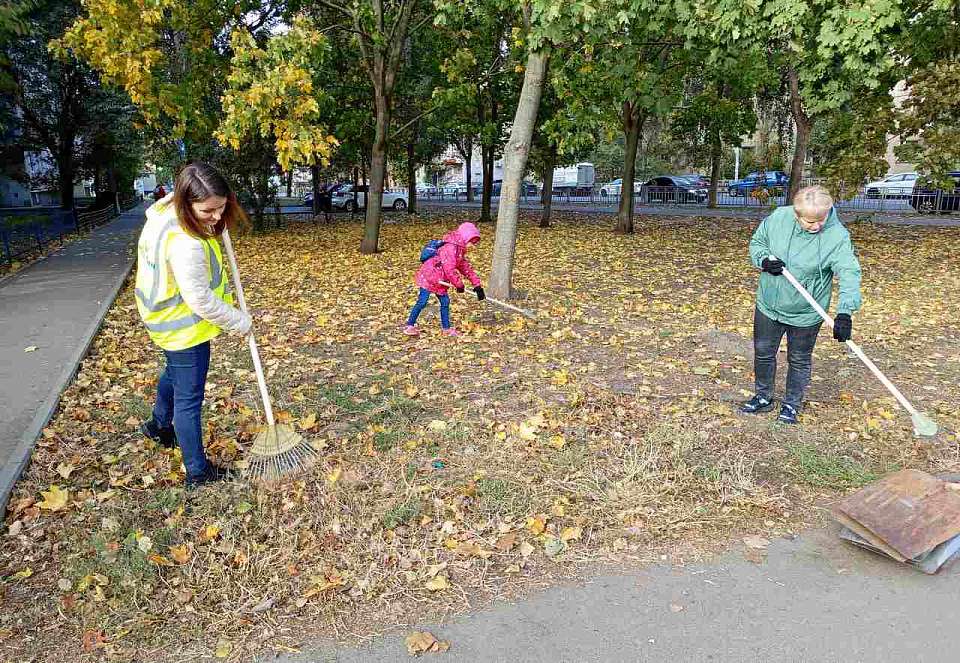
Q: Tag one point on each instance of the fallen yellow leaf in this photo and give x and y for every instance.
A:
(180, 554)
(537, 525)
(420, 642)
(571, 534)
(224, 647)
(54, 499)
(437, 584)
(309, 421)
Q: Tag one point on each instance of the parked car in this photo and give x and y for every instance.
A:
(929, 199)
(527, 189)
(775, 180)
(343, 198)
(427, 190)
(614, 187)
(325, 190)
(674, 189)
(892, 186)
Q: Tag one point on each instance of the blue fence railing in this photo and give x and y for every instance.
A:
(28, 230)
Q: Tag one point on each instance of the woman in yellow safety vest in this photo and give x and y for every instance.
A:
(184, 301)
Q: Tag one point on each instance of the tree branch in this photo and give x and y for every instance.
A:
(417, 118)
(422, 22)
(336, 7)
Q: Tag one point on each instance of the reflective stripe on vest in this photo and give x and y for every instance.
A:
(169, 320)
(216, 276)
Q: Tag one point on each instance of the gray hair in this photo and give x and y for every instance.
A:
(813, 202)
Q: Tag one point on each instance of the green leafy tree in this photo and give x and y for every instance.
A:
(480, 85)
(930, 116)
(831, 52)
(721, 109)
(380, 31)
(58, 98)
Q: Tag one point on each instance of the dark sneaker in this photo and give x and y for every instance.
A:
(212, 474)
(756, 405)
(165, 437)
(788, 414)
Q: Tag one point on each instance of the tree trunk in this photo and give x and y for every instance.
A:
(290, 184)
(515, 163)
(315, 181)
(411, 178)
(356, 183)
(716, 149)
(66, 170)
(378, 169)
(468, 163)
(632, 126)
(804, 124)
(487, 165)
(546, 196)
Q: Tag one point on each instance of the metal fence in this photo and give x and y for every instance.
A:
(27, 230)
(889, 201)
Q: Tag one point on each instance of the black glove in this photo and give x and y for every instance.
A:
(842, 327)
(480, 294)
(460, 289)
(774, 266)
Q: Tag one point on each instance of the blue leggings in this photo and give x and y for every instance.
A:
(422, 300)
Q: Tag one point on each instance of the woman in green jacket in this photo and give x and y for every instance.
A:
(808, 239)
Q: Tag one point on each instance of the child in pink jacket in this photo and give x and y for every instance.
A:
(447, 265)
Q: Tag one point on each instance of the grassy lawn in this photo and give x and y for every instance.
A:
(455, 471)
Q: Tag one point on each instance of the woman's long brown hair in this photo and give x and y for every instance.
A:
(195, 183)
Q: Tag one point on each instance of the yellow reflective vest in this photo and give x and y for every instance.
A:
(170, 322)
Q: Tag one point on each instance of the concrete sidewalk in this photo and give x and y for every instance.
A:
(56, 304)
(815, 600)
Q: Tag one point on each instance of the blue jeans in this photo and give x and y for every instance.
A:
(179, 399)
(767, 335)
(422, 300)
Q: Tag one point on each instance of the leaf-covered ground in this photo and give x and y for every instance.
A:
(458, 470)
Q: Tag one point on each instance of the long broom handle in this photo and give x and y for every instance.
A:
(254, 353)
(853, 346)
(519, 310)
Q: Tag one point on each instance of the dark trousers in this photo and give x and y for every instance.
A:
(767, 335)
(179, 399)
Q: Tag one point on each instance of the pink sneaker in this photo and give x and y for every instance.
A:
(451, 332)
(411, 330)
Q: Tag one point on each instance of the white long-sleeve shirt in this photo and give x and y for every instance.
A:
(188, 262)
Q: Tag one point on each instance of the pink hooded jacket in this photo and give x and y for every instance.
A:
(450, 261)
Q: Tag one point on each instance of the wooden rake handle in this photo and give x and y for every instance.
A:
(254, 353)
(884, 380)
(497, 302)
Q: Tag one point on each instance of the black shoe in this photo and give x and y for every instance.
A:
(165, 437)
(212, 474)
(756, 405)
(788, 414)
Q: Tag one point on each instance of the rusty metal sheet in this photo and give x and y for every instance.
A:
(909, 511)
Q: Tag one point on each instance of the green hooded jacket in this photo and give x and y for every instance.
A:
(814, 258)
